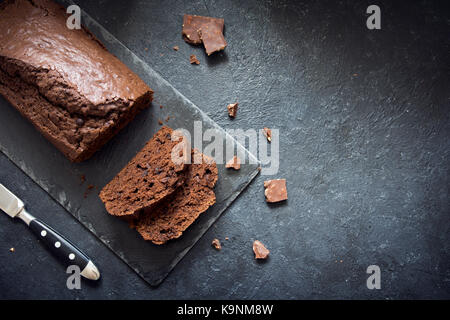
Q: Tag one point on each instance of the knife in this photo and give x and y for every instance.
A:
(60, 246)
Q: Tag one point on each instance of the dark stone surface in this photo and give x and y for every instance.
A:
(364, 123)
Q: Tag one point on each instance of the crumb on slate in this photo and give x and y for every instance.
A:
(268, 134)
(216, 244)
(260, 250)
(234, 163)
(232, 109)
(193, 59)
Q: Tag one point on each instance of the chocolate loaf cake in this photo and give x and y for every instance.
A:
(169, 219)
(147, 179)
(76, 93)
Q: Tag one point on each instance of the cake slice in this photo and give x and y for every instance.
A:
(147, 179)
(169, 219)
(65, 82)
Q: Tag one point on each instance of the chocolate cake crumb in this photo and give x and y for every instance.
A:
(193, 59)
(232, 109)
(234, 163)
(268, 134)
(260, 250)
(275, 190)
(176, 48)
(160, 122)
(216, 244)
(148, 178)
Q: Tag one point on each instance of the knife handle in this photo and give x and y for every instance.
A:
(67, 252)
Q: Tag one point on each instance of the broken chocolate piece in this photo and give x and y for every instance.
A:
(275, 190)
(268, 134)
(234, 163)
(232, 109)
(212, 38)
(206, 30)
(260, 250)
(216, 244)
(193, 59)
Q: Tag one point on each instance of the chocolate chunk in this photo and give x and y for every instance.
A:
(234, 163)
(216, 244)
(275, 190)
(193, 59)
(212, 37)
(268, 134)
(206, 30)
(260, 250)
(232, 109)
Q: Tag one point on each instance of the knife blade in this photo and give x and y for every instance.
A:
(59, 245)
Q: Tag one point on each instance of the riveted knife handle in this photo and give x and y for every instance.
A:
(67, 252)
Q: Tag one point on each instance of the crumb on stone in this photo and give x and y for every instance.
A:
(260, 250)
(193, 59)
(234, 163)
(268, 134)
(216, 244)
(232, 109)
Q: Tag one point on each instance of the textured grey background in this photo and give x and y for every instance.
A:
(364, 122)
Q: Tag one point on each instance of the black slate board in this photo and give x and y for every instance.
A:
(21, 143)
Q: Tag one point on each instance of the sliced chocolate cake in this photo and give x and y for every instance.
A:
(171, 217)
(147, 179)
